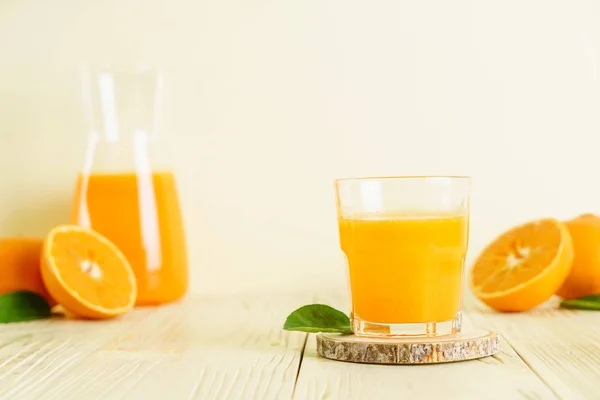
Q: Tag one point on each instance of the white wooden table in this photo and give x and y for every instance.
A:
(234, 348)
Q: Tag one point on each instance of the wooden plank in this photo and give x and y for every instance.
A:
(203, 348)
(34, 355)
(560, 345)
(504, 376)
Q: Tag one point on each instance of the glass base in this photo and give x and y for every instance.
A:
(437, 328)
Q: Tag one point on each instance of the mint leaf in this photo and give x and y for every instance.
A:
(318, 318)
(23, 306)
(591, 302)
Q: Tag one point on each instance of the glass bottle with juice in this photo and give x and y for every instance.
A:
(127, 190)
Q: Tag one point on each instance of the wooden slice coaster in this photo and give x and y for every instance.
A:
(468, 345)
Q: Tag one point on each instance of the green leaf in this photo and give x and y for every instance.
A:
(23, 306)
(318, 318)
(591, 302)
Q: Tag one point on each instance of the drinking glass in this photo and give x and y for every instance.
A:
(405, 240)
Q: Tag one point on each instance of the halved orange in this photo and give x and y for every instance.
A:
(524, 266)
(87, 274)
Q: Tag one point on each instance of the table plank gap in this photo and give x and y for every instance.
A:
(299, 366)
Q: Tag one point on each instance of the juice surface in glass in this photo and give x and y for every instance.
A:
(405, 268)
(140, 213)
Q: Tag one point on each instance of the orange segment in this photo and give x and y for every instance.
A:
(524, 266)
(87, 274)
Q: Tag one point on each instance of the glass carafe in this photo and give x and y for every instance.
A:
(126, 190)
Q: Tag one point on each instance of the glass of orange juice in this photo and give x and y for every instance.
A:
(405, 240)
(127, 189)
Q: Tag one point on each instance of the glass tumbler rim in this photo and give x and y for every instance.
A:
(405, 177)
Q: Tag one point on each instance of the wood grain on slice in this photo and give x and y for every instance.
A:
(471, 344)
(560, 345)
(502, 376)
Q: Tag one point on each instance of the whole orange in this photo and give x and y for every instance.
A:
(20, 260)
(584, 277)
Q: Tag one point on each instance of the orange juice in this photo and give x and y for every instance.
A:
(405, 268)
(141, 215)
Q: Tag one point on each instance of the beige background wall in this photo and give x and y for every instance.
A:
(269, 101)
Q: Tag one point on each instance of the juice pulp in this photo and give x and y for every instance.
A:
(141, 215)
(405, 268)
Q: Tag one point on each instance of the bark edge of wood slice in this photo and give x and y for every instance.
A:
(467, 345)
